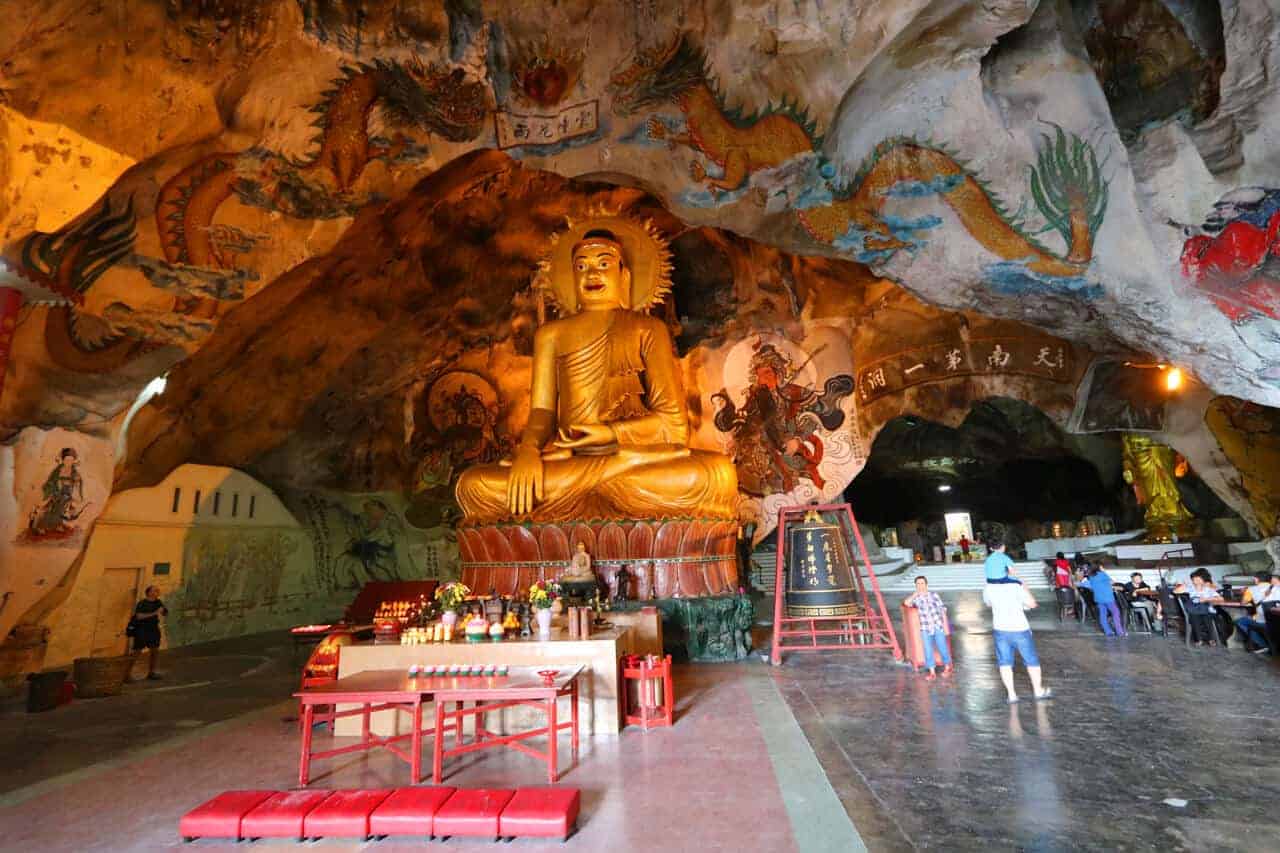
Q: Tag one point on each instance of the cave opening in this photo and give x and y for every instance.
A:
(1007, 465)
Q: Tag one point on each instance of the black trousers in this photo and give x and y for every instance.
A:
(1202, 627)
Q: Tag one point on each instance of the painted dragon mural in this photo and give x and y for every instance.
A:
(1066, 183)
(410, 94)
(68, 261)
(739, 143)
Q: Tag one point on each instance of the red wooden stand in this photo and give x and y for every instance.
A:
(652, 677)
(870, 631)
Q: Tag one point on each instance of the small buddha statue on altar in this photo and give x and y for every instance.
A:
(579, 566)
(608, 430)
(578, 581)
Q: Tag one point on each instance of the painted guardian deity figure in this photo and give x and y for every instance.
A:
(608, 431)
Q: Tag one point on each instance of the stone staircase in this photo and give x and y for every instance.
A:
(954, 577)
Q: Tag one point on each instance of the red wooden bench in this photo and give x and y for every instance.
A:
(540, 813)
(221, 816)
(345, 814)
(409, 811)
(281, 815)
(472, 812)
(425, 812)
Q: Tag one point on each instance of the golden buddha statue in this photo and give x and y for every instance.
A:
(1151, 469)
(608, 431)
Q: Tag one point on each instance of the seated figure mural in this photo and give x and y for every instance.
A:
(608, 432)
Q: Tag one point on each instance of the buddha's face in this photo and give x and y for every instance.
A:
(600, 277)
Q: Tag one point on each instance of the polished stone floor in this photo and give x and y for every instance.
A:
(1147, 746)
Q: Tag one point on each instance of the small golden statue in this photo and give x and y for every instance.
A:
(1151, 469)
(579, 566)
(608, 431)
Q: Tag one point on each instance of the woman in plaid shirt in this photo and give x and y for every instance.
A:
(933, 626)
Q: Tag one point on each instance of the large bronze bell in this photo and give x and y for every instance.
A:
(819, 579)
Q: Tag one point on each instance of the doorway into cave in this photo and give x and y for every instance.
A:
(1016, 474)
(1007, 465)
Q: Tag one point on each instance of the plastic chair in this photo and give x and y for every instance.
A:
(1066, 601)
(1184, 601)
(1132, 614)
(1088, 609)
(1173, 617)
(1271, 616)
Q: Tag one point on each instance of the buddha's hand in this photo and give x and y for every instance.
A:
(524, 483)
(585, 435)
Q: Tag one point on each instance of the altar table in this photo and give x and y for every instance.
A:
(598, 685)
(524, 686)
(372, 690)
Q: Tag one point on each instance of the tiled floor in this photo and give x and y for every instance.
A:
(706, 784)
(760, 760)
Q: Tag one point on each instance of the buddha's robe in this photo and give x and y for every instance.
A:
(626, 377)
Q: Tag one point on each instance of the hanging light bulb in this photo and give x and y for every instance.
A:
(1172, 379)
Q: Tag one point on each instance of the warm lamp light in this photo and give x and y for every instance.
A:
(1172, 379)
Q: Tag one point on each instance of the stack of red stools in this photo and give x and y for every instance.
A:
(423, 812)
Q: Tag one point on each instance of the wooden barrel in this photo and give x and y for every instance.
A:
(101, 676)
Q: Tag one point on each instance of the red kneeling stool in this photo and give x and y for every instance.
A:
(540, 813)
(472, 812)
(281, 815)
(221, 816)
(409, 811)
(345, 814)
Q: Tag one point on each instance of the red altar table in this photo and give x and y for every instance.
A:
(373, 690)
(524, 686)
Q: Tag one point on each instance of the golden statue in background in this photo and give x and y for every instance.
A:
(1151, 468)
(608, 431)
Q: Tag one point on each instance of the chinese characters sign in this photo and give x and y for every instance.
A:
(514, 129)
(1047, 358)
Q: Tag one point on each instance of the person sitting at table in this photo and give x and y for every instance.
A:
(1142, 597)
(1267, 589)
(1105, 599)
(1203, 595)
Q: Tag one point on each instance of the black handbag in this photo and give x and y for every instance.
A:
(131, 630)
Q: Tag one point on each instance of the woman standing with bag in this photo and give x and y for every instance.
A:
(145, 627)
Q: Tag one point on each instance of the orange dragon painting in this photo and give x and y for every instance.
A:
(1066, 183)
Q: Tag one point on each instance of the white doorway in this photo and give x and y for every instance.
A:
(958, 525)
(117, 595)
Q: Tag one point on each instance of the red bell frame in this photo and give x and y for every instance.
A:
(868, 632)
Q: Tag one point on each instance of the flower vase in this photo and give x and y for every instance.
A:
(544, 622)
(449, 617)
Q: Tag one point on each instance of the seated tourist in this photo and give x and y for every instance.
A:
(1203, 595)
(1142, 597)
(1105, 599)
(1267, 589)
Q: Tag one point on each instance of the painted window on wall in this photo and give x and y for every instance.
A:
(160, 569)
(252, 499)
(177, 498)
(195, 504)
(235, 504)
(217, 501)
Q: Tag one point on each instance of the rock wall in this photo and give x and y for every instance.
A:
(323, 217)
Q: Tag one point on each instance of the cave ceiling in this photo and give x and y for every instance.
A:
(322, 217)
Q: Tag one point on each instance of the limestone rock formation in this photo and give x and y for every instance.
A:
(320, 218)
